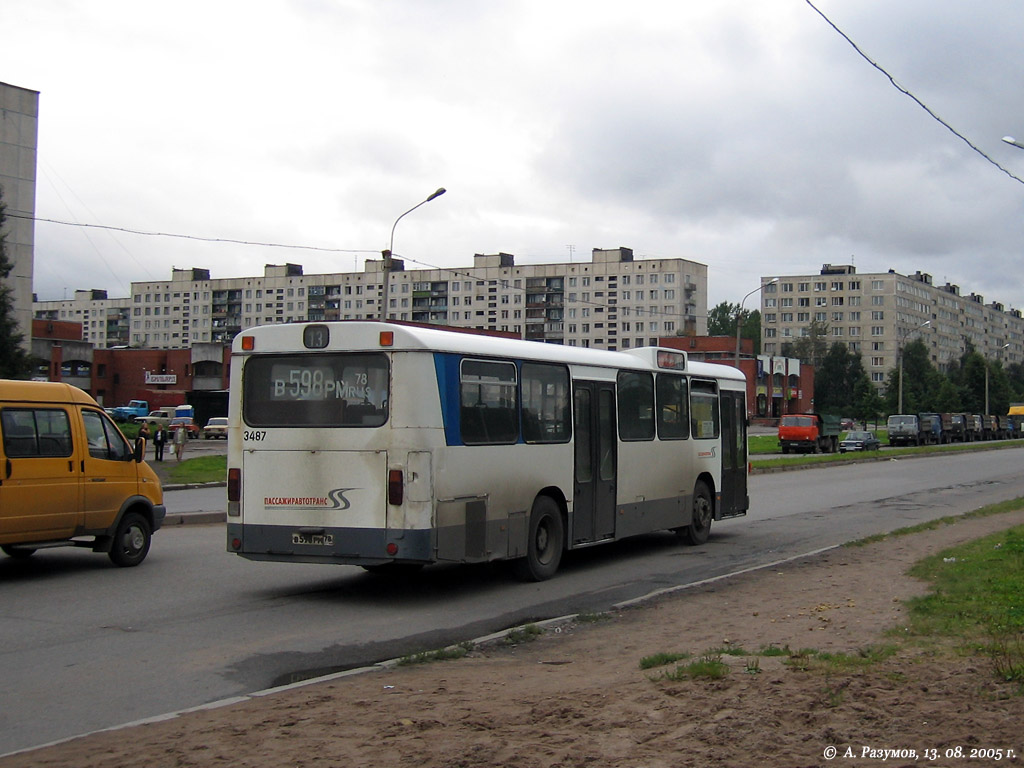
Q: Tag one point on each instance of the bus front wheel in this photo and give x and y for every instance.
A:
(545, 543)
(703, 512)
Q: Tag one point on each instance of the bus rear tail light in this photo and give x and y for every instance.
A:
(234, 484)
(396, 487)
(234, 492)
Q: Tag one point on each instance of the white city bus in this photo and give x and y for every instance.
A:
(385, 445)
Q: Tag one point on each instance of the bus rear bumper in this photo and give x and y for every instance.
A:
(375, 546)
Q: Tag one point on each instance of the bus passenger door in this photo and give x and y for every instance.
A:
(734, 454)
(595, 465)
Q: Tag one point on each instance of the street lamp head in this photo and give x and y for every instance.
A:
(440, 191)
(1013, 141)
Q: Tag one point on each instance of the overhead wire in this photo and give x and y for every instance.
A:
(910, 95)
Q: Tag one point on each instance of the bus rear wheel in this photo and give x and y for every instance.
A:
(545, 543)
(703, 513)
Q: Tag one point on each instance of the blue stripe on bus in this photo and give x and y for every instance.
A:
(447, 368)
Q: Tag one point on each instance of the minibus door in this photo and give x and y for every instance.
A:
(595, 462)
(39, 482)
(110, 474)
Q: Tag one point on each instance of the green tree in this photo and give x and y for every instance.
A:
(949, 398)
(722, 320)
(835, 378)
(920, 381)
(1015, 376)
(868, 405)
(14, 360)
(810, 348)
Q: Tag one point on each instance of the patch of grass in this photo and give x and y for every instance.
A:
(976, 598)
(444, 654)
(202, 469)
(662, 659)
(708, 667)
(526, 634)
(773, 650)
(592, 618)
(728, 650)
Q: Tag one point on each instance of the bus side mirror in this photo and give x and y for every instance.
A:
(140, 450)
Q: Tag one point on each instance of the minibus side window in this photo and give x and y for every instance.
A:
(105, 440)
(36, 432)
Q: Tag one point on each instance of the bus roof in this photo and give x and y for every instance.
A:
(358, 335)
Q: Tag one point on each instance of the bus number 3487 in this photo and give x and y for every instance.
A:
(255, 434)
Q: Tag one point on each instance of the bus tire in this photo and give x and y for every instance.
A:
(131, 540)
(545, 543)
(703, 512)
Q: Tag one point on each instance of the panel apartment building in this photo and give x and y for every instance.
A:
(877, 314)
(19, 128)
(612, 302)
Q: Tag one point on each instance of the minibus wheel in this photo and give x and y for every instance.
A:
(131, 540)
(19, 553)
(545, 543)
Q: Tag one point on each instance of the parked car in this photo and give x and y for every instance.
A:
(216, 427)
(859, 441)
(186, 423)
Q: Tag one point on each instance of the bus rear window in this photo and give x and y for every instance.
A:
(309, 390)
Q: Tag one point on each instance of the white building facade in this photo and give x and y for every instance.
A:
(612, 302)
(877, 314)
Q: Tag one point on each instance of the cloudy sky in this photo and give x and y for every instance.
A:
(748, 136)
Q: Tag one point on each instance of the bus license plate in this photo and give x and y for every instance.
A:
(313, 539)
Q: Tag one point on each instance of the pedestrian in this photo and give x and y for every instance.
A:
(159, 441)
(180, 436)
(144, 437)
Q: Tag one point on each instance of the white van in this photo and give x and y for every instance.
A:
(68, 477)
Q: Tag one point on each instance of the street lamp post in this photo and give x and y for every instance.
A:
(739, 315)
(899, 403)
(391, 247)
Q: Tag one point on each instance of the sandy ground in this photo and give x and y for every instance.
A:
(577, 697)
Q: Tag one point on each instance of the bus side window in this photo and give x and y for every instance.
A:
(545, 389)
(704, 417)
(488, 403)
(673, 419)
(636, 405)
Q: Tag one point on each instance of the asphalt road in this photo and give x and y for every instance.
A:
(84, 645)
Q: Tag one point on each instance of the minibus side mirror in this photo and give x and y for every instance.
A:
(140, 450)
